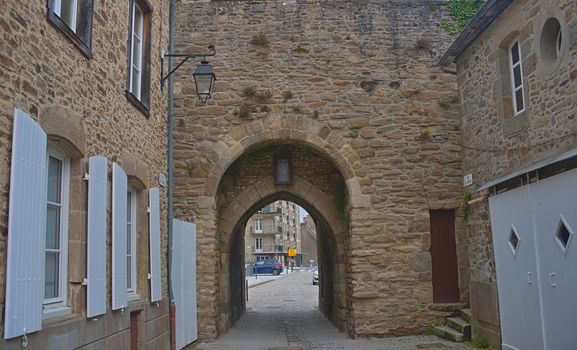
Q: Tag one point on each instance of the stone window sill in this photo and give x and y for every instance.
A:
(133, 297)
(52, 312)
(138, 104)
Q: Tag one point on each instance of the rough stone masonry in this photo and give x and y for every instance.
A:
(355, 81)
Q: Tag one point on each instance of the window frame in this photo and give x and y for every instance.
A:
(141, 102)
(521, 87)
(132, 290)
(56, 306)
(81, 35)
(257, 225)
(256, 244)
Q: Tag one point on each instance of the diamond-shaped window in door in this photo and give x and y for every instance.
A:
(513, 240)
(563, 235)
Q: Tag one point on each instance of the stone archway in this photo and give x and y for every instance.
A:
(197, 200)
(333, 238)
(317, 185)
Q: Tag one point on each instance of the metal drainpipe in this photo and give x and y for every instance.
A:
(170, 145)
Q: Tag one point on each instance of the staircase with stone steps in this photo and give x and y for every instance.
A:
(457, 328)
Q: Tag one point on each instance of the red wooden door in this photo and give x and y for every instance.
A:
(134, 330)
(444, 257)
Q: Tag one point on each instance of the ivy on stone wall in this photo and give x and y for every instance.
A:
(462, 11)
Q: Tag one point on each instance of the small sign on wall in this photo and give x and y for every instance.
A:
(468, 180)
(162, 179)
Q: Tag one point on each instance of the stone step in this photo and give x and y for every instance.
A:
(460, 325)
(451, 307)
(466, 315)
(449, 333)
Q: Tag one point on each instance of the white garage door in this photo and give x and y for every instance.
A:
(533, 228)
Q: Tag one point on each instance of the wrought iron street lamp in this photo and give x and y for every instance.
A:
(203, 75)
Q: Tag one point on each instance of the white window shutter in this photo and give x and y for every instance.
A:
(26, 228)
(154, 225)
(119, 217)
(97, 222)
(183, 282)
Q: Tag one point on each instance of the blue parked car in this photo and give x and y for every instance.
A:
(267, 266)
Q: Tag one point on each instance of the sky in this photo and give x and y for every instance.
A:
(302, 214)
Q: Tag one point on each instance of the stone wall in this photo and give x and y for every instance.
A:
(81, 101)
(498, 143)
(355, 81)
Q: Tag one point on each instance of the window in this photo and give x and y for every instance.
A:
(138, 89)
(131, 240)
(258, 225)
(258, 244)
(550, 44)
(74, 19)
(516, 78)
(56, 267)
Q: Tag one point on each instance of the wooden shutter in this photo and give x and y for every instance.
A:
(26, 228)
(119, 232)
(97, 223)
(154, 225)
(183, 281)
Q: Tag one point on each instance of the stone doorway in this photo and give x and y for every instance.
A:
(317, 186)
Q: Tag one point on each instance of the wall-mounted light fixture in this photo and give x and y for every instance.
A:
(282, 169)
(204, 77)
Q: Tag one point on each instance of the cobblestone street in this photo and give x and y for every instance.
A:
(283, 315)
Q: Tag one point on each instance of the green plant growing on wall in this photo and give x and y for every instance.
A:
(297, 109)
(263, 97)
(462, 12)
(262, 108)
(480, 343)
(287, 95)
(449, 26)
(254, 101)
(300, 50)
(430, 329)
(424, 135)
(464, 207)
(189, 168)
(259, 39)
(444, 104)
(244, 111)
(249, 91)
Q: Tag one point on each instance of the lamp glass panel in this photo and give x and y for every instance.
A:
(203, 84)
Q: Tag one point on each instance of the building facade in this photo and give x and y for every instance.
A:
(82, 145)
(272, 231)
(517, 75)
(309, 242)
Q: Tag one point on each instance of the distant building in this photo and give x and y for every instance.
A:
(308, 242)
(272, 231)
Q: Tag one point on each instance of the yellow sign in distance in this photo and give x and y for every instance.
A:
(292, 252)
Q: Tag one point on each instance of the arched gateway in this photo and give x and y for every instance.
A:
(350, 94)
(245, 170)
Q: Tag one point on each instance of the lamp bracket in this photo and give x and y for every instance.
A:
(186, 57)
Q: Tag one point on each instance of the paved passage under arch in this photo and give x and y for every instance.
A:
(283, 315)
